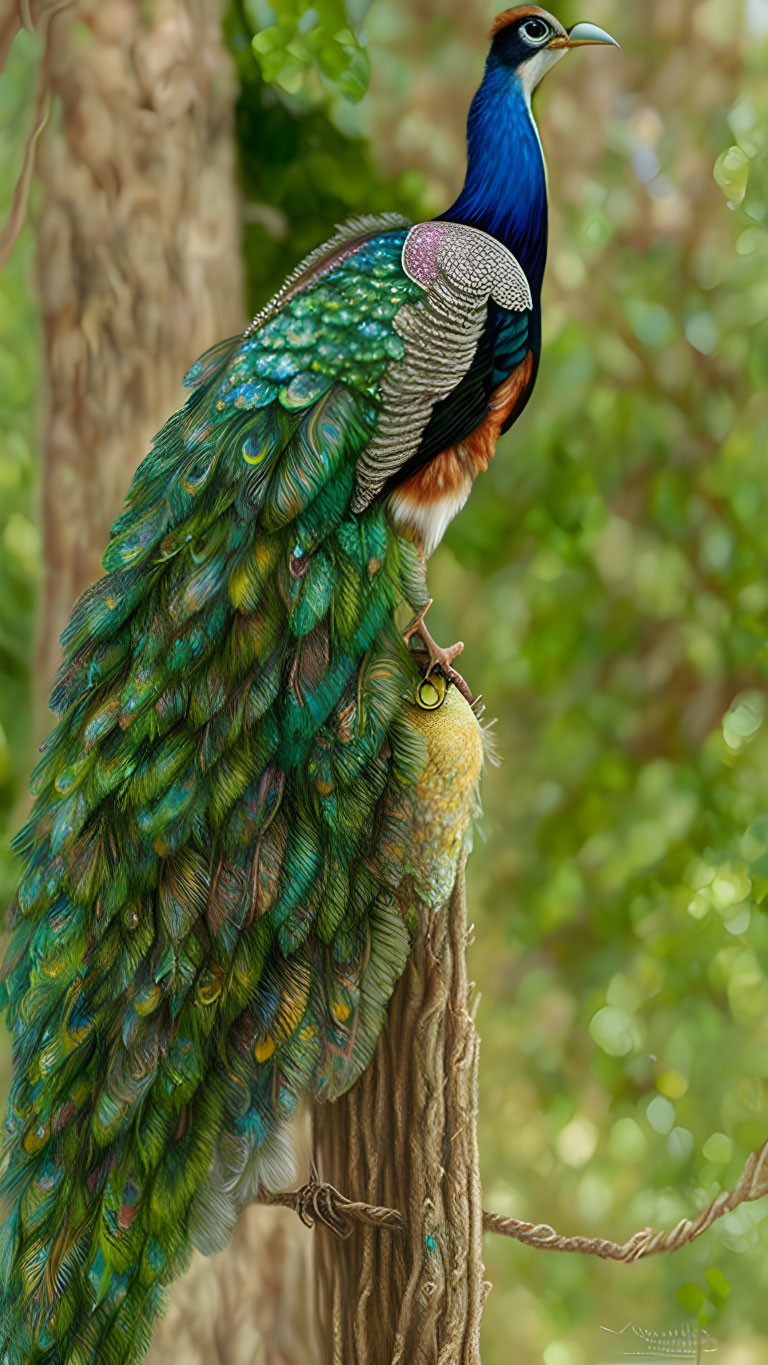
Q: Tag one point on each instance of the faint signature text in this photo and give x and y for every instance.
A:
(684, 1343)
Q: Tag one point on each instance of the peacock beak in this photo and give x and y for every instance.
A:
(583, 36)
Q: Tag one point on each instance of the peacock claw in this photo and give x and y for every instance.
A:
(435, 656)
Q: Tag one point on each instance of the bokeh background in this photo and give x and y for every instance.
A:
(609, 579)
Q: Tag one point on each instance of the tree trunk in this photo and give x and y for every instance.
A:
(252, 1305)
(405, 1137)
(139, 261)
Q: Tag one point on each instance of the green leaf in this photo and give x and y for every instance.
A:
(719, 1288)
(732, 174)
(614, 1030)
(691, 1298)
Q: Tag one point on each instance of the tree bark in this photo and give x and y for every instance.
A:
(405, 1137)
(139, 262)
(252, 1305)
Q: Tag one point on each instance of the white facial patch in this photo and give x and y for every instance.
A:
(535, 68)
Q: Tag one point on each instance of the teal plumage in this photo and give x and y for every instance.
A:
(208, 923)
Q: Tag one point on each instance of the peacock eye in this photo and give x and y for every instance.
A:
(535, 31)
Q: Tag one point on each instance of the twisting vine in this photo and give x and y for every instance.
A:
(317, 1202)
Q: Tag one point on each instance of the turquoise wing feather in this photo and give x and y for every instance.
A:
(208, 925)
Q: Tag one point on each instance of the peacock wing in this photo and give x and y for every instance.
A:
(213, 826)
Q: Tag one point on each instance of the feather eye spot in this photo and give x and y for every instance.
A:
(374, 565)
(255, 456)
(263, 1050)
(168, 546)
(210, 988)
(63, 1116)
(65, 780)
(341, 1011)
(298, 564)
(126, 1216)
(35, 1139)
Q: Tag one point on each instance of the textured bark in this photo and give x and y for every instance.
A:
(405, 1137)
(138, 255)
(252, 1305)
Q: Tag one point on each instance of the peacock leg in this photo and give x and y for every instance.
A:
(436, 656)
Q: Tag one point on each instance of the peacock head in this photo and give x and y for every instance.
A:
(529, 40)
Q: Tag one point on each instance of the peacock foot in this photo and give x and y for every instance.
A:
(435, 656)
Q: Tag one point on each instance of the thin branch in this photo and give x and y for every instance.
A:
(317, 1202)
(753, 1185)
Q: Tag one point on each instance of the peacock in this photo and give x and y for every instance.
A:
(237, 814)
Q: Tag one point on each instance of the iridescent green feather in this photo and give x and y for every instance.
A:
(207, 927)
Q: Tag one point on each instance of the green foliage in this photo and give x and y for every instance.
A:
(302, 169)
(705, 1304)
(292, 41)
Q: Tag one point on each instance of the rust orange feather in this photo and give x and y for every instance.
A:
(510, 16)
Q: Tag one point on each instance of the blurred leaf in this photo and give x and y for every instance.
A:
(691, 1298)
(732, 174)
(614, 1031)
(292, 41)
(718, 1148)
(719, 1288)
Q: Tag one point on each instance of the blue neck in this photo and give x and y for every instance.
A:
(505, 192)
